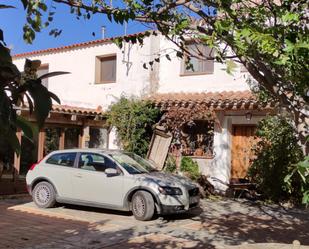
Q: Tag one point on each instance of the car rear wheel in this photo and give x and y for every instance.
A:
(143, 205)
(44, 195)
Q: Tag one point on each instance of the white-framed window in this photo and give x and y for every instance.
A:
(198, 60)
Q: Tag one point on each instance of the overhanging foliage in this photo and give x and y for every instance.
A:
(19, 89)
(133, 120)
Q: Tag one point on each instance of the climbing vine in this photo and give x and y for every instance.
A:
(133, 120)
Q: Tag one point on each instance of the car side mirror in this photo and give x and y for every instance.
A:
(111, 172)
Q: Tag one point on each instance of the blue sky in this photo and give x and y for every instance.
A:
(74, 31)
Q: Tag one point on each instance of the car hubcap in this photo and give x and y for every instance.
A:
(139, 206)
(42, 195)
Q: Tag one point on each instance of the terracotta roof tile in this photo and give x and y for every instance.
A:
(219, 100)
(205, 97)
(77, 110)
(72, 46)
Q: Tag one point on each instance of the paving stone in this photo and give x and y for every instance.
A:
(219, 224)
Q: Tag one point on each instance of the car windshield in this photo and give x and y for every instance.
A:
(133, 163)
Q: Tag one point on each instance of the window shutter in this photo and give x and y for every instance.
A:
(108, 69)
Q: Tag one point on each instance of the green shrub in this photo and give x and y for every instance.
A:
(190, 167)
(276, 156)
(170, 164)
(302, 171)
(133, 120)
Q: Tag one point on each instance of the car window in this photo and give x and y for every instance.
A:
(63, 159)
(95, 162)
(133, 163)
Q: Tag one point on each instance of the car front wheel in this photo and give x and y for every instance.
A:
(44, 195)
(143, 205)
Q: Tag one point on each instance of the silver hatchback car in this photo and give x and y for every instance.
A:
(109, 179)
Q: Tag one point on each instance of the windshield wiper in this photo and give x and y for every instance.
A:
(153, 170)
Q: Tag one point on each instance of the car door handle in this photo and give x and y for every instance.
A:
(78, 175)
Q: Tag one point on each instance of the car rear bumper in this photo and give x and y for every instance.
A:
(29, 189)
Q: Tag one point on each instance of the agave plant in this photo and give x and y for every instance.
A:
(19, 89)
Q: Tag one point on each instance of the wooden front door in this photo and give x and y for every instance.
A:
(242, 141)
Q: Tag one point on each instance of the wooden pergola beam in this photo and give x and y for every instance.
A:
(41, 143)
(61, 139)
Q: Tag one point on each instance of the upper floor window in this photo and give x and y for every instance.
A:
(198, 60)
(43, 69)
(106, 68)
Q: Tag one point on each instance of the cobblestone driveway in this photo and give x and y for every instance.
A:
(218, 224)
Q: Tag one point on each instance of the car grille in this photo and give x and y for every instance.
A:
(193, 192)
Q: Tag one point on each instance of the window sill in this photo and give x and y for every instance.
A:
(193, 74)
(105, 82)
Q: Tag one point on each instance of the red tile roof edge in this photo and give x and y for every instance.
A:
(74, 46)
(225, 100)
(224, 95)
(77, 110)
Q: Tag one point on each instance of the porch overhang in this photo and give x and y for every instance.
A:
(69, 115)
(62, 117)
(211, 101)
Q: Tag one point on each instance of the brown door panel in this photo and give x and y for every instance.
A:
(242, 141)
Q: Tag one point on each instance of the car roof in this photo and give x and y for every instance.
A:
(93, 150)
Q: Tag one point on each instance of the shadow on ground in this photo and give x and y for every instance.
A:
(251, 222)
(223, 222)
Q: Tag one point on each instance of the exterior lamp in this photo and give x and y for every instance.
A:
(248, 116)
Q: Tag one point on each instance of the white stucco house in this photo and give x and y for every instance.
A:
(100, 73)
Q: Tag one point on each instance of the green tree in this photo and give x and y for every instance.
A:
(133, 120)
(269, 37)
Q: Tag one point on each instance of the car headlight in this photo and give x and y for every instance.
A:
(170, 191)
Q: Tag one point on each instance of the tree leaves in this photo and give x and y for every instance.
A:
(275, 156)
(13, 90)
(42, 100)
(133, 120)
(9, 135)
(25, 3)
(5, 54)
(4, 6)
(29, 129)
(1, 35)
(52, 74)
(230, 66)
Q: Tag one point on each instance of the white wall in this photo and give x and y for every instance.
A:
(172, 81)
(79, 88)
(220, 166)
